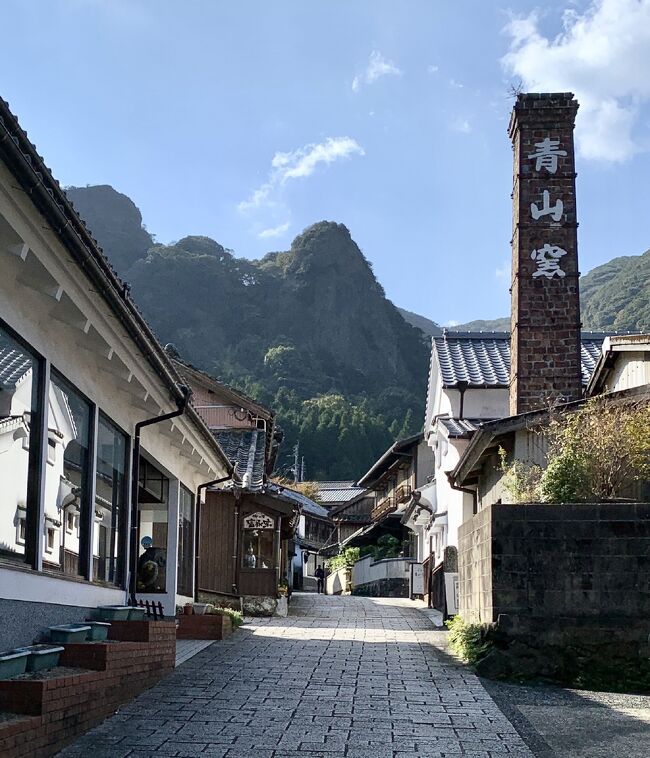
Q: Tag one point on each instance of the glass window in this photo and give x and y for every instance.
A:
(153, 497)
(110, 503)
(185, 542)
(258, 540)
(66, 483)
(17, 403)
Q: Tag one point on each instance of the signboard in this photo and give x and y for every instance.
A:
(451, 592)
(417, 579)
(258, 521)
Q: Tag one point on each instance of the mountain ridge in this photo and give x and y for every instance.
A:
(307, 331)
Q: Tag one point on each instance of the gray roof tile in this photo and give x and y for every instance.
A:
(483, 358)
(461, 427)
(245, 449)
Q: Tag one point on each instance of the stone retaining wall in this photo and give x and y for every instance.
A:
(564, 589)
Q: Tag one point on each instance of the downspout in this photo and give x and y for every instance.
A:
(135, 483)
(278, 556)
(235, 543)
(197, 540)
(467, 491)
(462, 387)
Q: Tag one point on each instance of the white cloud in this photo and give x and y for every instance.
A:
(451, 323)
(456, 85)
(503, 272)
(461, 125)
(298, 164)
(431, 69)
(603, 56)
(275, 231)
(377, 67)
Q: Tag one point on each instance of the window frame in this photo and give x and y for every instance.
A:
(122, 537)
(40, 460)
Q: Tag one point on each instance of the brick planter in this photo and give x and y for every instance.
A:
(208, 627)
(94, 680)
(141, 631)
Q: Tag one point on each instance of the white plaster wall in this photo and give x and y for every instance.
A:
(366, 570)
(49, 301)
(32, 587)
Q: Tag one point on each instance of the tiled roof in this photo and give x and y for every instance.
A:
(245, 449)
(335, 485)
(14, 364)
(460, 427)
(342, 495)
(483, 358)
(306, 503)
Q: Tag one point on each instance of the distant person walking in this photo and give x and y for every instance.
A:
(320, 580)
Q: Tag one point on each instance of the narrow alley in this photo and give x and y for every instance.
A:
(341, 676)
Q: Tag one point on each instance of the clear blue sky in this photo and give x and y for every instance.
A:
(246, 121)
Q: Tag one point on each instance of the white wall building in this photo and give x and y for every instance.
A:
(468, 386)
(79, 370)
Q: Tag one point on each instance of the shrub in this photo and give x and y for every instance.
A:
(235, 616)
(467, 640)
(595, 453)
(345, 559)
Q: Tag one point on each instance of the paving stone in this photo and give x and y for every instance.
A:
(349, 677)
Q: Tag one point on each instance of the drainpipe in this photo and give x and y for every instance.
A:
(135, 483)
(462, 387)
(278, 556)
(467, 491)
(235, 541)
(197, 540)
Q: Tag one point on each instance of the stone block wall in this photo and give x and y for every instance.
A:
(560, 584)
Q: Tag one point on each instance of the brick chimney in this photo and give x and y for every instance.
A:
(545, 310)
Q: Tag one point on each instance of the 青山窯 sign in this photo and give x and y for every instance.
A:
(547, 257)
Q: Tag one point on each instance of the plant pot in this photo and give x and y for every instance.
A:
(188, 610)
(12, 663)
(69, 633)
(98, 631)
(41, 657)
(201, 608)
(113, 612)
(136, 613)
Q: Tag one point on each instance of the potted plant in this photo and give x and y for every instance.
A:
(98, 631)
(136, 613)
(12, 663)
(113, 612)
(188, 609)
(283, 588)
(42, 656)
(69, 633)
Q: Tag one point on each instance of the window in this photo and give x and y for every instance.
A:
(66, 483)
(50, 538)
(258, 541)
(21, 531)
(153, 496)
(69, 522)
(185, 542)
(110, 503)
(18, 401)
(51, 451)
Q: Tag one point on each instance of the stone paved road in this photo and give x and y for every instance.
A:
(342, 676)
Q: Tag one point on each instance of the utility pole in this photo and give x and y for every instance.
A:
(302, 469)
(296, 463)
